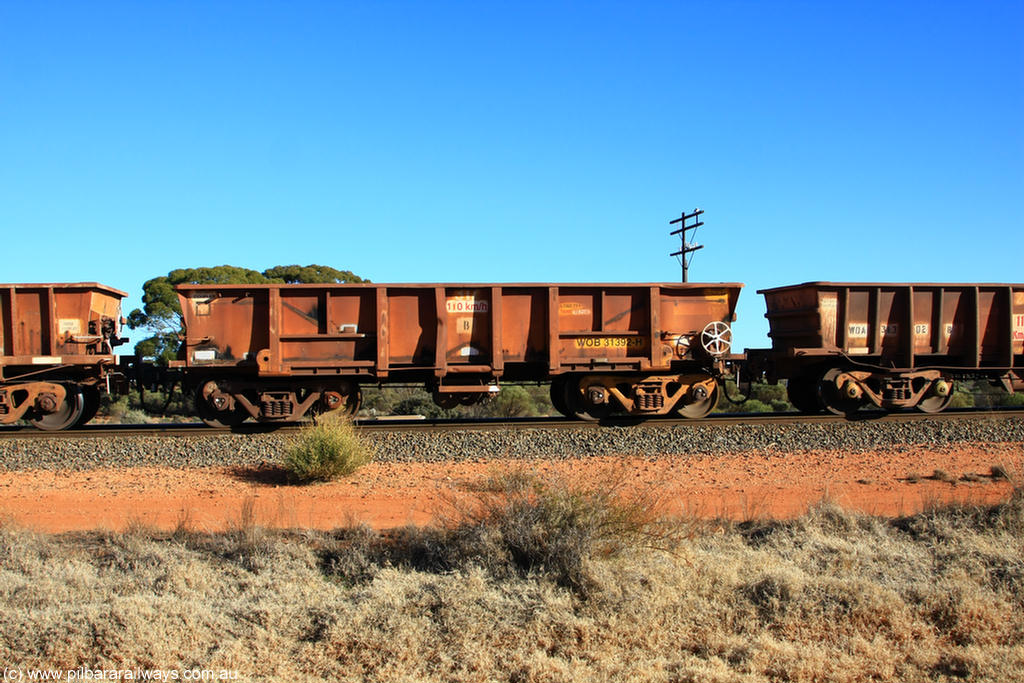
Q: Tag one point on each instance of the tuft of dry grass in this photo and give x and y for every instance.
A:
(327, 449)
(831, 596)
(557, 526)
(998, 472)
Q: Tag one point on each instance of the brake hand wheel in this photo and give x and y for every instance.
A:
(716, 338)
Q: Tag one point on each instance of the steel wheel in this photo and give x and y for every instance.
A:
(698, 409)
(345, 405)
(558, 396)
(218, 419)
(353, 402)
(91, 399)
(67, 414)
(578, 406)
(832, 398)
(935, 403)
(803, 394)
(350, 403)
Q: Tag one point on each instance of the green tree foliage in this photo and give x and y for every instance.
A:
(310, 274)
(161, 312)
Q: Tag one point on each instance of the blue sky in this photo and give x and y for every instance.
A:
(514, 141)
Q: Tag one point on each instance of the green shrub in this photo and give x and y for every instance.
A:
(1014, 400)
(760, 398)
(325, 450)
(962, 399)
(115, 408)
(768, 393)
(754, 406)
(133, 416)
(512, 401)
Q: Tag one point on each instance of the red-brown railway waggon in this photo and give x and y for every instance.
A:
(841, 346)
(56, 351)
(276, 352)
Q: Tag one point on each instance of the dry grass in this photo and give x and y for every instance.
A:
(998, 472)
(831, 596)
(558, 526)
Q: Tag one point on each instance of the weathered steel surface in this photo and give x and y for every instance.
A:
(895, 345)
(56, 324)
(56, 346)
(972, 326)
(529, 331)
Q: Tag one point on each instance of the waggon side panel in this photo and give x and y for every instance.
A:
(443, 328)
(955, 325)
(55, 324)
(42, 319)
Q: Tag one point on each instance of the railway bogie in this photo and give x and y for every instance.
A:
(276, 352)
(57, 351)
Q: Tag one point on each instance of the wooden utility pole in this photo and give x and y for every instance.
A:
(686, 247)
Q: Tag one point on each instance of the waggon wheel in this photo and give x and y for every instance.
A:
(353, 402)
(91, 405)
(67, 413)
(218, 419)
(802, 392)
(936, 403)
(695, 410)
(577, 403)
(337, 404)
(445, 401)
(832, 397)
(558, 396)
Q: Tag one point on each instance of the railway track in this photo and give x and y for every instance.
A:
(199, 429)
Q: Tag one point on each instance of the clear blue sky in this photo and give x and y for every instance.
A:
(514, 141)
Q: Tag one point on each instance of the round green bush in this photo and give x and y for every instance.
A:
(327, 449)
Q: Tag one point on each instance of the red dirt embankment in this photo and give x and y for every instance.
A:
(383, 495)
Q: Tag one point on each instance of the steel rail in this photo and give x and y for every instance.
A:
(99, 431)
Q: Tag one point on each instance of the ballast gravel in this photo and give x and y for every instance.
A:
(211, 449)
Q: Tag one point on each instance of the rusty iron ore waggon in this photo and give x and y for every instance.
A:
(277, 352)
(841, 346)
(57, 351)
